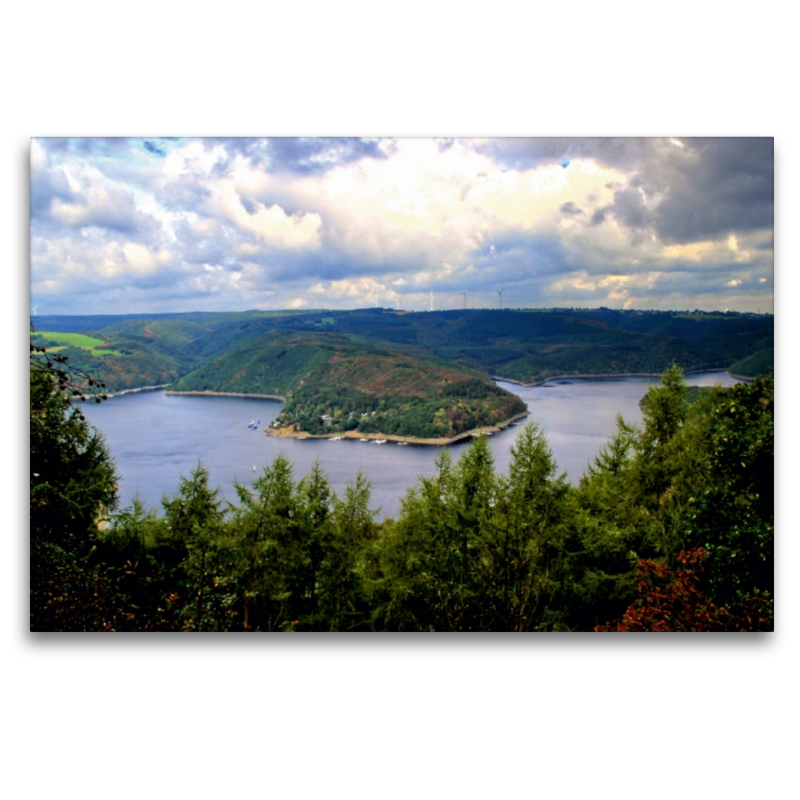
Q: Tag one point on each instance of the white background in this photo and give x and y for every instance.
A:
(392, 716)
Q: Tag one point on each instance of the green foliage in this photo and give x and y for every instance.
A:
(346, 562)
(760, 363)
(333, 385)
(613, 532)
(526, 346)
(671, 528)
(72, 486)
(729, 480)
(475, 551)
(194, 518)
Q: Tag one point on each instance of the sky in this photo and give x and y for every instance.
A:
(211, 224)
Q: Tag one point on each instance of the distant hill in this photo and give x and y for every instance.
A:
(759, 363)
(265, 352)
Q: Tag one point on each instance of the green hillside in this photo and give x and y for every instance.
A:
(334, 385)
(392, 362)
(759, 363)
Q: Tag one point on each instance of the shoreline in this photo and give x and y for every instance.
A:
(606, 375)
(109, 395)
(282, 433)
(208, 393)
(747, 378)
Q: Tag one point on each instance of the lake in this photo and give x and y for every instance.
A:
(155, 438)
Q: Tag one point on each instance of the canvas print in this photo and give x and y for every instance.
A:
(394, 384)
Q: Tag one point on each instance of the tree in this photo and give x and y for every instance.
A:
(522, 576)
(194, 519)
(727, 476)
(72, 485)
(673, 600)
(314, 507)
(613, 532)
(348, 560)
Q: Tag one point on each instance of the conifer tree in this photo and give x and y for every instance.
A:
(194, 518)
(348, 560)
(72, 486)
(524, 566)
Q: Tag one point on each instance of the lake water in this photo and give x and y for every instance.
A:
(155, 438)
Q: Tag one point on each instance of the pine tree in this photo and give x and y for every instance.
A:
(523, 550)
(72, 486)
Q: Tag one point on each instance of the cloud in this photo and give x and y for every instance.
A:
(272, 225)
(152, 148)
(685, 189)
(301, 155)
(81, 197)
(241, 223)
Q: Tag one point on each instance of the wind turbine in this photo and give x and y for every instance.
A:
(500, 292)
(431, 299)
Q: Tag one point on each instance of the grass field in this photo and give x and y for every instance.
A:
(76, 340)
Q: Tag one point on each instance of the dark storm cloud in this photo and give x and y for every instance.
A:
(706, 189)
(709, 189)
(629, 209)
(529, 153)
(729, 187)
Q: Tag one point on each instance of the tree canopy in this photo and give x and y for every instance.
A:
(671, 528)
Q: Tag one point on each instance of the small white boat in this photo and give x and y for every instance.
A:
(379, 441)
(364, 441)
(336, 438)
(402, 444)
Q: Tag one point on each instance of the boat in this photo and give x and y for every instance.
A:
(379, 441)
(363, 440)
(402, 444)
(336, 438)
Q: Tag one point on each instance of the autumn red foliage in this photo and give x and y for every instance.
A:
(671, 600)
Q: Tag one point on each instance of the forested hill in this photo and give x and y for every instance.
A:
(334, 385)
(522, 345)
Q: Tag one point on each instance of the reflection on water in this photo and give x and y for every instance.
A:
(155, 438)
